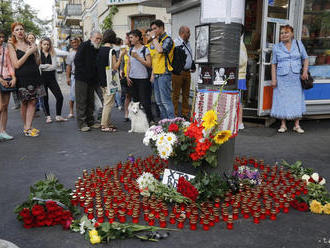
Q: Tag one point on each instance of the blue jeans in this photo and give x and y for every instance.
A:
(162, 91)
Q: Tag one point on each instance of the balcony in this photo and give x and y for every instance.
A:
(72, 14)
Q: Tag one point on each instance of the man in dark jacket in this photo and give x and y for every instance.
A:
(86, 80)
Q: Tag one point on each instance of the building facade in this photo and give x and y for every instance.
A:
(131, 15)
(263, 20)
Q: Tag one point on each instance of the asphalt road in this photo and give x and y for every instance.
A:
(65, 151)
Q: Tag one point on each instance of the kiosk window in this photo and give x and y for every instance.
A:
(278, 9)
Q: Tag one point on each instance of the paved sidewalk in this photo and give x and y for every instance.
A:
(65, 151)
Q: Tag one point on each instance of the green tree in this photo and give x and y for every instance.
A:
(107, 22)
(6, 16)
(28, 16)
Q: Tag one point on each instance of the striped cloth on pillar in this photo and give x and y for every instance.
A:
(227, 107)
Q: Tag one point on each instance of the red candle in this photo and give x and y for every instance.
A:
(172, 218)
(256, 218)
(193, 225)
(135, 218)
(180, 223)
(273, 214)
(100, 219)
(162, 224)
(151, 220)
(230, 224)
(206, 226)
(286, 207)
(225, 216)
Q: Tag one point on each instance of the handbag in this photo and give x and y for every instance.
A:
(113, 82)
(309, 82)
(3, 88)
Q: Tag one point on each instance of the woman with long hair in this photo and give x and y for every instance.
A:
(109, 39)
(48, 75)
(25, 59)
(7, 79)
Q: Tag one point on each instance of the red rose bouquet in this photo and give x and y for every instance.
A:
(39, 210)
(187, 189)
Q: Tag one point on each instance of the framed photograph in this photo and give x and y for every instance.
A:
(223, 75)
(202, 34)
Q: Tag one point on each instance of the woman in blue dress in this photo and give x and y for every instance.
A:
(288, 95)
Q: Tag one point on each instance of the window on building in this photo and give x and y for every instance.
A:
(316, 36)
(142, 22)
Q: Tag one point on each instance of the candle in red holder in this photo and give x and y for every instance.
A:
(90, 213)
(202, 219)
(230, 223)
(273, 214)
(74, 200)
(211, 220)
(216, 217)
(82, 201)
(151, 221)
(165, 210)
(267, 210)
(135, 218)
(262, 214)
(217, 203)
(256, 218)
(172, 218)
(246, 214)
(122, 218)
(180, 224)
(206, 226)
(193, 224)
(286, 207)
(235, 213)
(225, 216)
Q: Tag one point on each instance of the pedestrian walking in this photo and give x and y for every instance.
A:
(25, 59)
(181, 83)
(7, 80)
(138, 78)
(288, 95)
(48, 76)
(70, 68)
(161, 68)
(86, 81)
(109, 39)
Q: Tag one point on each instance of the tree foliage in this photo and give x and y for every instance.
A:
(107, 22)
(18, 11)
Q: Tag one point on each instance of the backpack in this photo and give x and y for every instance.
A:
(149, 70)
(179, 59)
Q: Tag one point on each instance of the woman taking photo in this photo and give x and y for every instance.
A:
(288, 95)
(7, 79)
(48, 76)
(25, 59)
(137, 72)
(109, 39)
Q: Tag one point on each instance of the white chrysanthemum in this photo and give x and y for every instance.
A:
(305, 177)
(323, 181)
(165, 151)
(315, 176)
(160, 139)
(170, 138)
(146, 141)
(146, 180)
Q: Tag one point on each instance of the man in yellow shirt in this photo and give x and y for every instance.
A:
(161, 68)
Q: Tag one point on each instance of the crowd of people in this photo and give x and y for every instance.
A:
(120, 71)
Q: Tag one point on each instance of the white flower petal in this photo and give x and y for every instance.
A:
(315, 176)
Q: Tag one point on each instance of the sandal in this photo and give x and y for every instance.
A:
(106, 129)
(282, 129)
(30, 133)
(49, 119)
(298, 129)
(114, 128)
(59, 118)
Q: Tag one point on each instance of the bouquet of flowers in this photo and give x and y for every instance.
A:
(186, 141)
(187, 189)
(245, 174)
(49, 204)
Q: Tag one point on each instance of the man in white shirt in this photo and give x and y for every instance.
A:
(182, 82)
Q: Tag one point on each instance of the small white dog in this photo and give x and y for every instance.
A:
(139, 122)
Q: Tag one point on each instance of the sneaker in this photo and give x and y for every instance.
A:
(120, 108)
(30, 133)
(6, 136)
(59, 118)
(241, 126)
(49, 119)
(85, 129)
(35, 130)
(70, 116)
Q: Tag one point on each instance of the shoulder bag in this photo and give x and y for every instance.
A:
(3, 88)
(113, 82)
(307, 83)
